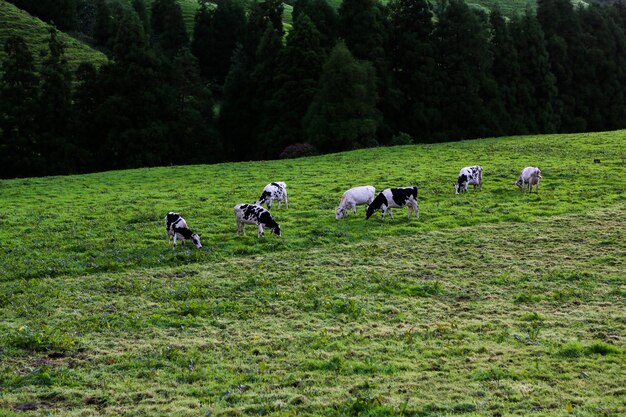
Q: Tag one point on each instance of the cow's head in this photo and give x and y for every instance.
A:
(339, 213)
(276, 230)
(519, 183)
(196, 241)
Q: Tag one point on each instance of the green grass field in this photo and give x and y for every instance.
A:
(491, 303)
(35, 32)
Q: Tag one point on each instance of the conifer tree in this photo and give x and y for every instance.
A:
(168, 27)
(202, 40)
(297, 75)
(54, 108)
(411, 57)
(18, 99)
(343, 113)
(323, 15)
(239, 112)
(536, 90)
(464, 64)
(228, 28)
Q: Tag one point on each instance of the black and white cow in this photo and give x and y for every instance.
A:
(275, 191)
(255, 214)
(395, 198)
(469, 176)
(530, 176)
(177, 227)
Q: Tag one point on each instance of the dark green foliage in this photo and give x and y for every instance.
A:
(343, 113)
(323, 16)
(168, 27)
(238, 115)
(139, 6)
(262, 14)
(412, 59)
(216, 33)
(536, 90)
(465, 86)
(18, 98)
(54, 109)
(61, 13)
(296, 81)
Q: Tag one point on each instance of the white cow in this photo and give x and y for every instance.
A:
(530, 176)
(272, 192)
(353, 197)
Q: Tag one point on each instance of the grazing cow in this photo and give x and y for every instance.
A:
(530, 176)
(272, 192)
(353, 197)
(255, 214)
(177, 227)
(394, 198)
(469, 176)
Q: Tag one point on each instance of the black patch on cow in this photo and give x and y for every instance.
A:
(401, 195)
(184, 232)
(265, 196)
(171, 219)
(275, 184)
(462, 179)
(376, 204)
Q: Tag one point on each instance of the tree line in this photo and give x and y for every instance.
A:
(241, 88)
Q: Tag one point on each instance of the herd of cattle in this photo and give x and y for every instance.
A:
(386, 200)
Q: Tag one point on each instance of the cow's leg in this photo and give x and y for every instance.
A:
(286, 200)
(174, 239)
(390, 213)
(238, 229)
(537, 187)
(354, 208)
(260, 233)
(410, 207)
(417, 210)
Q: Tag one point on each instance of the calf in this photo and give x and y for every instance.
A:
(394, 198)
(255, 214)
(176, 226)
(353, 197)
(530, 176)
(272, 192)
(469, 176)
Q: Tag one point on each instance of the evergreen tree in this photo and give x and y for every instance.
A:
(536, 90)
(239, 113)
(85, 99)
(202, 40)
(139, 6)
(18, 98)
(103, 28)
(343, 113)
(361, 26)
(228, 27)
(464, 65)
(323, 15)
(297, 75)
(412, 59)
(262, 14)
(168, 27)
(54, 108)
(506, 73)
(563, 39)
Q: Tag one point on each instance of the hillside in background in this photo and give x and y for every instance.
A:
(35, 32)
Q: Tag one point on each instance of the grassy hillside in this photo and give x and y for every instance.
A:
(492, 303)
(16, 21)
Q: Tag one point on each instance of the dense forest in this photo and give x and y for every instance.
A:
(239, 87)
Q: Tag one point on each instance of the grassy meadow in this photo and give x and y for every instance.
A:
(491, 303)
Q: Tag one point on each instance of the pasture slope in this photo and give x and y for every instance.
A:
(493, 303)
